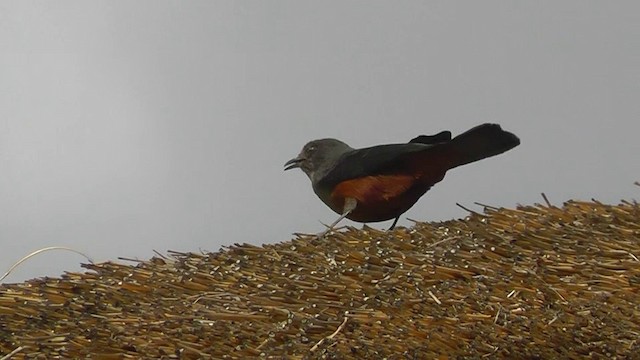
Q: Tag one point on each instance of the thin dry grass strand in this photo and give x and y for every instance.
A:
(15, 351)
(161, 255)
(487, 206)
(41, 251)
(469, 210)
(340, 327)
(440, 242)
(434, 298)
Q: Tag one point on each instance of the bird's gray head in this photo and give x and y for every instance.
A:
(318, 156)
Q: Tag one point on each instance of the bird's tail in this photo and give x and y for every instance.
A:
(481, 142)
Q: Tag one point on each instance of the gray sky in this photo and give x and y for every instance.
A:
(132, 126)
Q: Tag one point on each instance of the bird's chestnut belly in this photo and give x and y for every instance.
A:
(379, 198)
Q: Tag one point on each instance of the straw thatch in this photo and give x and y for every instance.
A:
(534, 282)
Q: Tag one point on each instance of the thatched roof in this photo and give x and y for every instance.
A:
(533, 282)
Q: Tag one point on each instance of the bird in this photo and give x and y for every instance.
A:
(382, 182)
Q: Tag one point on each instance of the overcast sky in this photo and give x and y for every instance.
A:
(128, 127)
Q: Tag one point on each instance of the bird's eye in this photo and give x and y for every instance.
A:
(311, 149)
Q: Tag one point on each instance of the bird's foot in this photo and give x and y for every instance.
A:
(330, 229)
(321, 234)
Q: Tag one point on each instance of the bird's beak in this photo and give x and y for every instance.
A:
(293, 163)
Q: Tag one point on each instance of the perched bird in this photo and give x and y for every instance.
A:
(382, 182)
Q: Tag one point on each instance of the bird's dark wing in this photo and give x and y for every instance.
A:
(440, 137)
(425, 155)
(392, 159)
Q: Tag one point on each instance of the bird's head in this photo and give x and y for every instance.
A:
(318, 156)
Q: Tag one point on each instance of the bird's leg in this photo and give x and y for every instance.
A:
(349, 205)
(394, 223)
